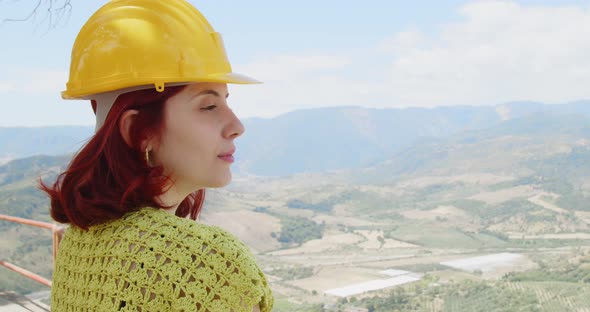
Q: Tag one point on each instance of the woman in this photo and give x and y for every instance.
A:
(156, 74)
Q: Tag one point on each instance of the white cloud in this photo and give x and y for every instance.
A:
(283, 67)
(33, 81)
(36, 91)
(6, 87)
(402, 42)
(500, 51)
(41, 81)
(301, 81)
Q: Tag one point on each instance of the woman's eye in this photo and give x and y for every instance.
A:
(209, 108)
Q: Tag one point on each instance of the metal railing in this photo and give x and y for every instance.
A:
(57, 232)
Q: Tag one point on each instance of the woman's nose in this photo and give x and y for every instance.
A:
(234, 128)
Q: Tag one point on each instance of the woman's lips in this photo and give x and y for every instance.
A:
(227, 157)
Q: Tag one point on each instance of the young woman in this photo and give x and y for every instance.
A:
(156, 74)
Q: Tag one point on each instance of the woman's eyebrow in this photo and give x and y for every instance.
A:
(212, 92)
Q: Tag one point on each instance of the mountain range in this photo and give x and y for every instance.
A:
(316, 140)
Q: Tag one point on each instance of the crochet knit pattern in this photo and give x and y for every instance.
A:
(150, 260)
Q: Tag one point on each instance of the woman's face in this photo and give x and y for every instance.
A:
(196, 145)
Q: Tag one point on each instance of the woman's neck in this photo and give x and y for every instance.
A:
(173, 197)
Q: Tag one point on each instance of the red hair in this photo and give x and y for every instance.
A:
(108, 178)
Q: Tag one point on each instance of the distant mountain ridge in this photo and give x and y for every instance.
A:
(19, 142)
(314, 140)
(514, 147)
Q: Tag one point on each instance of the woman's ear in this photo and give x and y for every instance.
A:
(125, 124)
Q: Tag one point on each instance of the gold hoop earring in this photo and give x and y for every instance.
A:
(147, 156)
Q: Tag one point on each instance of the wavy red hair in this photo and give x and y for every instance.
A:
(108, 178)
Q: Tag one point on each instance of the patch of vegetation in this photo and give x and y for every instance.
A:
(12, 281)
(32, 251)
(422, 267)
(298, 230)
(468, 296)
(432, 236)
(495, 212)
(563, 174)
(29, 168)
(530, 180)
(299, 204)
(546, 243)
(284, 305)
(574, 201)
(480, 296)
(498, 235)
(468, 205)
(354, 196)
(547, 217)
(293, 273)
(569, 273)
(27, 202)
(435, 191)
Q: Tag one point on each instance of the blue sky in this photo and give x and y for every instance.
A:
(332, 53)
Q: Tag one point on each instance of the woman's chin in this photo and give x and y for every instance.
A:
(221, 182)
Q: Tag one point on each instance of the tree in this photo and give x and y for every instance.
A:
(55, 10)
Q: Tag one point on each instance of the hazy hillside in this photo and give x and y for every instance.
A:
(315, 140)
(19, 195)
(26, 246)
(336, 138)
(23, 142)
(513, 147)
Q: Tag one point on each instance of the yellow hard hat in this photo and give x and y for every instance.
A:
(129, 43)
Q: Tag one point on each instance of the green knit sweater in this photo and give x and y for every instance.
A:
(150, 260)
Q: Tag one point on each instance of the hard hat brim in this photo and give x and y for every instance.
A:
(234, 78)
(85, 93)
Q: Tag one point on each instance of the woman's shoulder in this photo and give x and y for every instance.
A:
(150, 231)
(154, 220)
(192, 256)
(161, 224)
(168, 233)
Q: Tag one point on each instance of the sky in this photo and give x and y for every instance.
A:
(380, 54)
